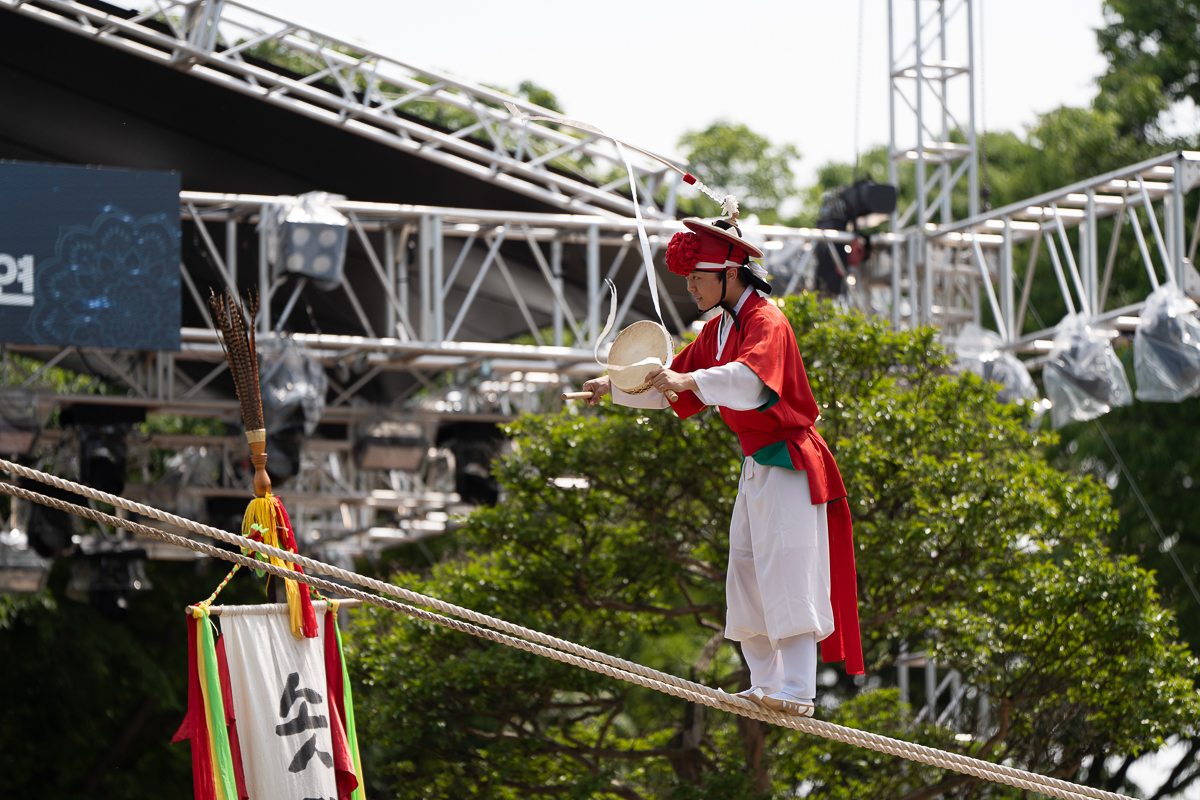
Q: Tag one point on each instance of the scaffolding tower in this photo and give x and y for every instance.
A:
(932, 126)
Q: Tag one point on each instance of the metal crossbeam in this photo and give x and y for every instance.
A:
(382, 232)
(422, 112)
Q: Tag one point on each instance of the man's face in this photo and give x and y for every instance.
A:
(705, 287)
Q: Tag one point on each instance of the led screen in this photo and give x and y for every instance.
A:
(89, 256)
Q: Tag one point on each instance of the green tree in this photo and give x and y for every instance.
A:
(969, 544)
(92, 702)
(732, 159)
(1153, 52)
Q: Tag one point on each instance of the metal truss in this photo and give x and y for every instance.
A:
(925, 98)
(336, 508)
(955, 712)
(432, 288)
(938, 271)
(961, 261)
(422, 112)
(920, 79)
(435, 268)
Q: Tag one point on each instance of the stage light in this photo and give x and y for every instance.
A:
(283, 448)
(308, 237)
(102, 431)
(22, 571)
(391, 445)
(866, 198)
(48, 531)
(475, 445)
(21, 419)
(863, 204)
(102, 457)
(107, 575)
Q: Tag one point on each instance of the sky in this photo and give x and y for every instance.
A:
(652, 70)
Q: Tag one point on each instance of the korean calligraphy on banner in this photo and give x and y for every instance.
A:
(288, 711)
(283, 712)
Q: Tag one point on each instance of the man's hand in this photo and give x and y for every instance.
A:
(598, 387)
(667, 379)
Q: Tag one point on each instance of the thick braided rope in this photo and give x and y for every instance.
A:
(346, 575)
(637, 673)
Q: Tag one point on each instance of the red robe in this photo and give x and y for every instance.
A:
(782, 434)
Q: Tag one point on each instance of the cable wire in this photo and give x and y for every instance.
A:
(985, 189)
(1168, 547)
(858, 90)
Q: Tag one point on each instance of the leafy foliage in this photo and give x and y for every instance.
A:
(968, 542)
(92, 703)
(1151, 47)
(733, 159)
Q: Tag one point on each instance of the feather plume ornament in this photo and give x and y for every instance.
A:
(266, 519)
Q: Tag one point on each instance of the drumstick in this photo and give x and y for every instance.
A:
(674, 398)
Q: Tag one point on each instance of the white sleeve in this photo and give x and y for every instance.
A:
(732, 385)
(651, 399)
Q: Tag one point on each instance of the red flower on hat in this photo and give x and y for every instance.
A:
(683, 253)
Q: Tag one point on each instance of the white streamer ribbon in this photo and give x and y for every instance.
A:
(643, 239)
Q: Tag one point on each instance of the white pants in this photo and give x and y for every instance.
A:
(777, 586)
(789, 666)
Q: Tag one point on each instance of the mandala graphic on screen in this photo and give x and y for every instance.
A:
(110, 283)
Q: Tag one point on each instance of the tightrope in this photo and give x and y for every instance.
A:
(529, 640)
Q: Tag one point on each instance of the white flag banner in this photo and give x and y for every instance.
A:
(282, 706)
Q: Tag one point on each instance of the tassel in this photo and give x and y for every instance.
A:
(266, 514)
(307, 614)
(224, 782)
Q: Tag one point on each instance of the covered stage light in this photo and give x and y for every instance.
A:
(391, 445)
(474, 445)
(102, 430)
(107, 575)
(978, 351)
(292, 386)
(21, 420)
(1166, 347)
(48, 531)
(307, 236)
(1084, 378)
(22, 571)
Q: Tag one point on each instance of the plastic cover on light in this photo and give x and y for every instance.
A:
(979, 352)
(1166, 347)
(306, 235)
(1084, 378)
(291, 382)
